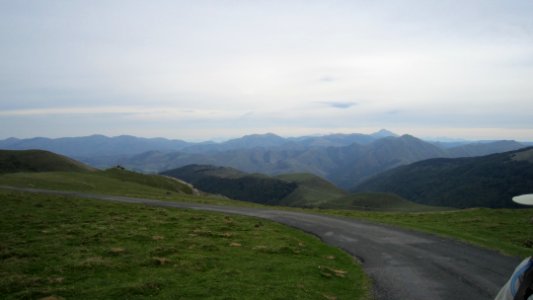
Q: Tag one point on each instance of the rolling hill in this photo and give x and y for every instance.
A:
(234, 184)
(315, 192)
(38, 161)
(43, 169)
(483, 148)
(487, 181)
(310, 191)
(296, 190)
(376, 202)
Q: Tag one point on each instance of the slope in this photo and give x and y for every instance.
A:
(487, 181)
(234, 184)
(306, 190)
(311, 190)
(483, 148)
(377, 202)
(38, 161)
(43, 169)
(358, 163)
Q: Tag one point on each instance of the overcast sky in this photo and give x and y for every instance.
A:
(197, 70)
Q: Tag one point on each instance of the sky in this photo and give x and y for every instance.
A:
(199, 70)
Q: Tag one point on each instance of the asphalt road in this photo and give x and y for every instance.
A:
(403, 264)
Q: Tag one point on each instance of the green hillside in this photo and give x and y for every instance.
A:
(234, 184)
(311, 190)
(113, 182)
(376, 202)
(295, 190)
(38, 161)
(487, 181)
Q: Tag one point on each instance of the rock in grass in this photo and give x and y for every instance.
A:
(117, 250)
(160, 261)
(52, 298)
(330, 272)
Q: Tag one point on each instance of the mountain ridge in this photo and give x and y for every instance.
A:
(485, 181)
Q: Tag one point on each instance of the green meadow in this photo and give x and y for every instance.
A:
(72, 248)
(116, 182)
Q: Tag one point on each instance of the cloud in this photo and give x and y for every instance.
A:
(327, 79)
(132, 112)
(339, 104)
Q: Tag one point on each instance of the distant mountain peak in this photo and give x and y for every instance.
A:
(383, 133)
(408, 136)
(257, 140)
(263, 135)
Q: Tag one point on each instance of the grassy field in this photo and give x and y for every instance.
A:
(66, 247)
(115, 182)
(508, 230)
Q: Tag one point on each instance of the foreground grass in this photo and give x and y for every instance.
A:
(86, 249)
(508, 230)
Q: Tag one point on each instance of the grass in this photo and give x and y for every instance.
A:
(508, 230)
(312, 191)
(115, 182)
(38, 161)
(68, 247)
(378, 202)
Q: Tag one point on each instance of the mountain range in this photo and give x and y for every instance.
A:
(345, 164)
(344, 159)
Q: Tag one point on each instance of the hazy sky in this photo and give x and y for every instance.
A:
(196, 70)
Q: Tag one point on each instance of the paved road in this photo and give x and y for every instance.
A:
(403, 264)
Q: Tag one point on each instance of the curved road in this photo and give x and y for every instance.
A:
(403, 264)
